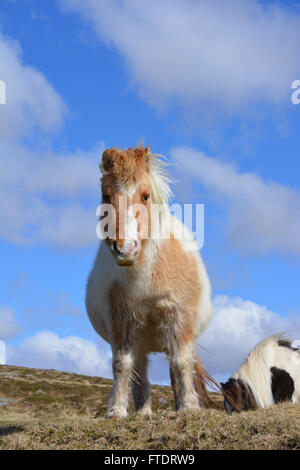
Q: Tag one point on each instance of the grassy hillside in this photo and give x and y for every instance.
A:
(46, 409)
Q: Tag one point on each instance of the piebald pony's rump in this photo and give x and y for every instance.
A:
(269, 375)
(147, 294)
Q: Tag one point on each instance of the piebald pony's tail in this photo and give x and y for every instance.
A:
(201, 380)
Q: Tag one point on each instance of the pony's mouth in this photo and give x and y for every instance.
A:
(228, 407)
(124, 259)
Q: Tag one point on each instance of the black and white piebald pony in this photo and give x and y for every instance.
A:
(269, 375)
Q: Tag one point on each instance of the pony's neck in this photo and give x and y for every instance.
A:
(256, 372)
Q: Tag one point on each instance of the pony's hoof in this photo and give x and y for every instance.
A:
(189, 406)
(115, 413)
(145, 412)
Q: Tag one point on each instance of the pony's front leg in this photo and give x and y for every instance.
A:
(122, 368)
(181, 370)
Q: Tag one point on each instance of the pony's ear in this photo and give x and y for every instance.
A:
(222, 384)
(106, 162)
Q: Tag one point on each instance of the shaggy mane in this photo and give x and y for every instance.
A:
(160, 181)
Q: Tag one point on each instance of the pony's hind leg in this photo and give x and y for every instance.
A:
(181, 369)
(140, 386)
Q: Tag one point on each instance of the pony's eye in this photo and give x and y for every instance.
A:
(145, 197)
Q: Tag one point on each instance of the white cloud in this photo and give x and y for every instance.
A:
(44, 197)
(228, 54)
(55, 175)
(31, 101)
(263, 216)
(237, 326)
(9, 325)
(48, 198)
(46, 350)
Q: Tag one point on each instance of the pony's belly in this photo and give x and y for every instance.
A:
(98, 322)
(152, 340)
(155, 329)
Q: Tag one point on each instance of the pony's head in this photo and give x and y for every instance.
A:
(133, 179)
(238, 396)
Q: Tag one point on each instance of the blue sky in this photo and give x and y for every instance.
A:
(208, 89)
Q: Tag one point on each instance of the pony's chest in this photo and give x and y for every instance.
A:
(147, 301)
(143, 300)
(154, 307)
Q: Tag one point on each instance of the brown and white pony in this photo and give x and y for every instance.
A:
(147, 294)
(269, 375)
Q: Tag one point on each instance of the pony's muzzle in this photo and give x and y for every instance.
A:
(228, 407)
(128, 253)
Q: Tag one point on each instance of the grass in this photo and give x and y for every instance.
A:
(56, 410)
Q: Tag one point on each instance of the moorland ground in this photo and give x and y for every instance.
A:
(47, 409)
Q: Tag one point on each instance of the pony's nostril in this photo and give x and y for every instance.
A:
(115, 248)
